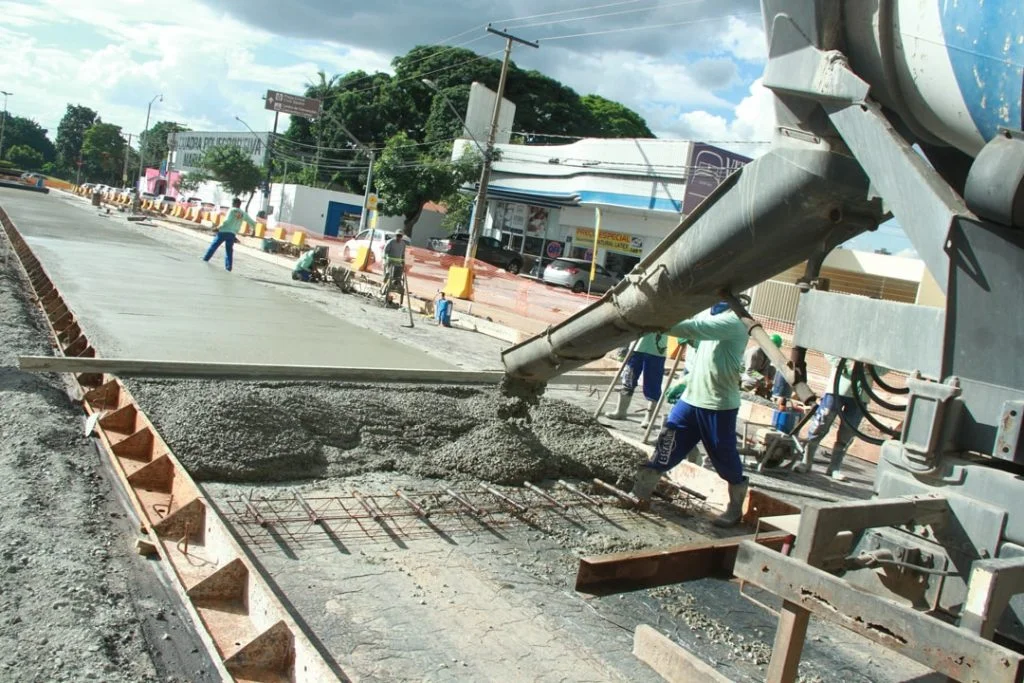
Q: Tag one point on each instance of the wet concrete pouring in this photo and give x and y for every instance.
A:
(478, 597)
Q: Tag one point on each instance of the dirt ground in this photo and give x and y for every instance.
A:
(76, 603)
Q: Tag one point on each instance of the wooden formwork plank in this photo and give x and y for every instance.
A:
(672, 662)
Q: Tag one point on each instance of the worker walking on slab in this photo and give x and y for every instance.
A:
(647, 361)
(394, 263)
(707, 411)
(228, 233)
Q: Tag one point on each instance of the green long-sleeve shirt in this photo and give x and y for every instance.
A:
(233, 221)
(715, 368)
(654, 343)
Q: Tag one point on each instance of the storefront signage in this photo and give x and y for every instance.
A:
(613, 241)
(554, 249)
(709, 166)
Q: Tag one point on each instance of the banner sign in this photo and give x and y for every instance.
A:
(709, 166)
(189, 146)
(612, 241)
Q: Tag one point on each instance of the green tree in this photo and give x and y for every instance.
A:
(25, 158)
(458, 212)
(71, 133)
(22, 131)
(407, 178)
(103, 153)
(233, 169)
(615, 120)
(190, 182)
(153, 142)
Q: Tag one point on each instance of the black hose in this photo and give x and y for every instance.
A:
(871, 393)
(840, 368)
(858, 371)
(885, 387)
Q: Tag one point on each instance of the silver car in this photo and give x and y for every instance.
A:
(574, 273)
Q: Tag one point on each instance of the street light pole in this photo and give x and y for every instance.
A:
(124, 170)
(369, 175)
(144, 139)
(3, 121)
(480, 212)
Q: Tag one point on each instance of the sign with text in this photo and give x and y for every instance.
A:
(188, 147)
(296, 105)
(613, 241)
(709, 166)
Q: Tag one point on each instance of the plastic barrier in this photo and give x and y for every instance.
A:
(298, 238)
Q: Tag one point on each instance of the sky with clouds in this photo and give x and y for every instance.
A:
(691, 67)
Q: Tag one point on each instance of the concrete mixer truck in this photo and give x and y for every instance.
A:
(885, 108)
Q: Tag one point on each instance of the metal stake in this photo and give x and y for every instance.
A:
(313, 516)
(420, 512)
(544, 494)
(628, 497)
(521, 509)
(615, 380)
(664, 392)
(465, 503)
(575, 491)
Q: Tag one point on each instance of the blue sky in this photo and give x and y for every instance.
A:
(690, 67)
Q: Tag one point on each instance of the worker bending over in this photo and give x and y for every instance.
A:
(303, 268)
(648, 361)
(707, 411)
(228, 233)
(758, 371)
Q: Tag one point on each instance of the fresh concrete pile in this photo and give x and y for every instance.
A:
(274, 432)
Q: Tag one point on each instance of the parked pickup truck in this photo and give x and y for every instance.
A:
(488, 250)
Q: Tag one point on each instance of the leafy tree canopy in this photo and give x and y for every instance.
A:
(21, 131)
(102, 153)
(24, 157)
(407, 178)
(153, 142)
(616, 120)
(71, 133)
(232, 168)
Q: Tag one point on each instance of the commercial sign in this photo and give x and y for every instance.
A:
(295, 105)
(612, 241)
(519, 218)
(709, 167)
(188, 147)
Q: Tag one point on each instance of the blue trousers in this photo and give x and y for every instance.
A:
(781, 388)
(827, 412)
(687, 426)
(653, 370)
(228, 240)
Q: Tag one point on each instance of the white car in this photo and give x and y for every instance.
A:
(380, 238)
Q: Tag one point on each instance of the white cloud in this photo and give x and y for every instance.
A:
(753, 121)
(745, 41)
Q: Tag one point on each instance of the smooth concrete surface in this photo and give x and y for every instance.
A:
(138, 298)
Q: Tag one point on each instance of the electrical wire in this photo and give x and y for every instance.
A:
(648, 140)
(648, 27)
(840, 369)
(565, 11)
(610, 14)
(908, 565)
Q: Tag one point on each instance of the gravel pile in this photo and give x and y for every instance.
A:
(262, 432)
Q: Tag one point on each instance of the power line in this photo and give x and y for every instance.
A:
(649, 26)
(611, 14)
(652, 140)
(565, 11)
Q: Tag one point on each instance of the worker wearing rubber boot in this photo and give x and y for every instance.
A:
(839, 402)
(707, 411)
(647, 361)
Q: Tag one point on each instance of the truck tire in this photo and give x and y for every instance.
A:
(514, 267)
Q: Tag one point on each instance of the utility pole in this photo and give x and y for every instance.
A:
(270, 166)
(124, 170)
(480, 210)
(3, 121)
(144, 139)
(369, 176)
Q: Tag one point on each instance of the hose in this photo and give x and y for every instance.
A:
(858, 371)
(885, 387)
(871, 392)
(840, 368)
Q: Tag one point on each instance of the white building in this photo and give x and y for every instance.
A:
(543, 200)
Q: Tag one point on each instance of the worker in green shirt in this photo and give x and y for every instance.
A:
(648, 360)
(707, 411)
(228, 233)
(303, 268)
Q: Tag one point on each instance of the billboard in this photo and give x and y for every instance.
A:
(480, 111)
(295, 105)
(188, 147)
(708, 167)
(612, 241)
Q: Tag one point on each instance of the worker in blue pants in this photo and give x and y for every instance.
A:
(228, 233)
(708, 409)
(647, 361)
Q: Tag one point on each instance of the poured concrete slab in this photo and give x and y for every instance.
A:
(139, 298)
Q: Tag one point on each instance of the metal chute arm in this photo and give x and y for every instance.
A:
(769, 216)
